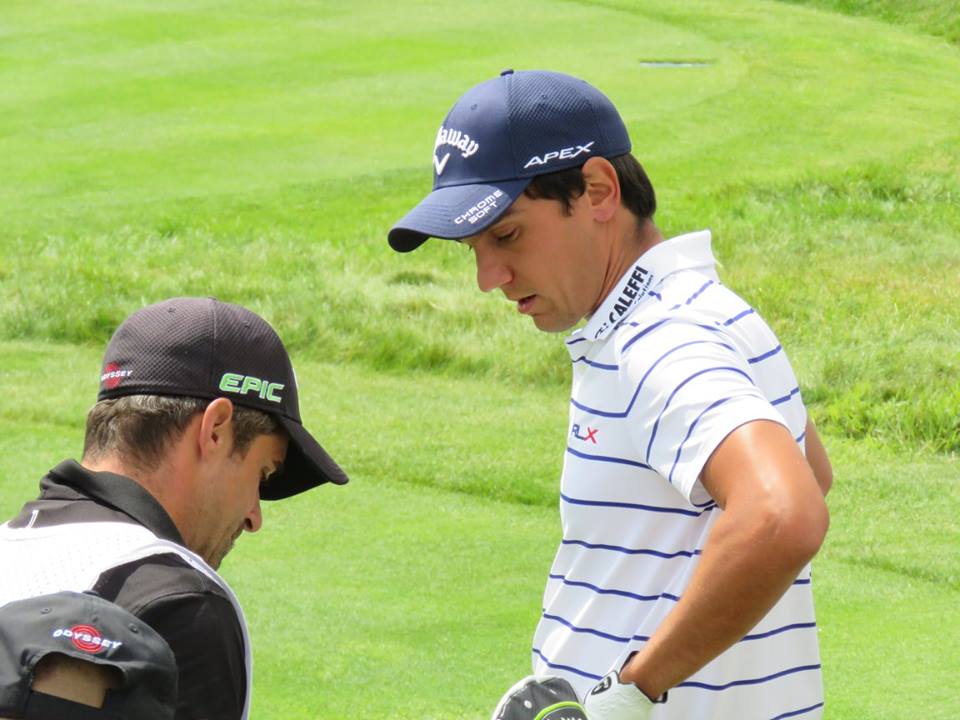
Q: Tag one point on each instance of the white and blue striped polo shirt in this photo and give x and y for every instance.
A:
(667, 367)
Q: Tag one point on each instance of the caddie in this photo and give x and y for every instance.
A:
(692, 492)
(197, 420)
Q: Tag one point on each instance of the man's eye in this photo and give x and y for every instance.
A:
(506, 237)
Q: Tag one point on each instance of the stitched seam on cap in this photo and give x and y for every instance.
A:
(212, 348)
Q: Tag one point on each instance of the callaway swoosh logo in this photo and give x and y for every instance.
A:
(439, 165)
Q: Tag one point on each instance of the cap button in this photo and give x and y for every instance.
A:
(508, 71)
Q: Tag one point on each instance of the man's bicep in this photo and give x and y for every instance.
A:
(203, 631)
(759, 462)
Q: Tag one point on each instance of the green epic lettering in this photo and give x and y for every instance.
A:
(243, 384)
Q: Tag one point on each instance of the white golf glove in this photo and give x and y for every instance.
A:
(612, 699)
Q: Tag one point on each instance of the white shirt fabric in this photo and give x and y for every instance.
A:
(663, 371)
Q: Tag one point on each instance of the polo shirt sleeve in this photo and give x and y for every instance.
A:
(695, 388)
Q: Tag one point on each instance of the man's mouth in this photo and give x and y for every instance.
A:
(525, 304)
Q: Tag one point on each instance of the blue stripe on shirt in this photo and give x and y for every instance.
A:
(608, 459)
(623, 593)
(676, 460)
(590, 631)
(660, 323)
(764, 356)
(750, 681)
(636, 506)
(644, 638)
(642, 333)
(693, 297)
(610, 591)
(777, 631)
(785, 397)
(591, 363)
(636, 392)
(795, 713)
(719, 368)
(631, 551)
(568, 668)
(738, 316)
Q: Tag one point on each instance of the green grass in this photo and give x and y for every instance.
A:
(935, 17)
(260, 154)
(416, 587)
(263, 162)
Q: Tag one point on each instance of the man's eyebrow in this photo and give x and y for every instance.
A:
(509, 214)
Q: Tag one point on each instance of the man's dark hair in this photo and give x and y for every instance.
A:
(636, 191)
(139, 428)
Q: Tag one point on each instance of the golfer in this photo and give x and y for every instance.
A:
(197, 420)
(692, 492)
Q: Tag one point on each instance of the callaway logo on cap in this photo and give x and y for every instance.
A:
(497, 138)
(204, 348)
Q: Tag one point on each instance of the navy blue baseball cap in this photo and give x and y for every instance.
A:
(497, 138)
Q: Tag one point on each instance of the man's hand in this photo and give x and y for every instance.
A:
(613, 699)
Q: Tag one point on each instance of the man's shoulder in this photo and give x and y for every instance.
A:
(197, 619)
(160, 578)
(685, 304)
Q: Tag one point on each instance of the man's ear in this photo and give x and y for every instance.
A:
(216, 428)
(603, 188)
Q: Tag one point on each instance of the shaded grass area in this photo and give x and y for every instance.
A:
(858, 275)
(422, 577)
(940, 18)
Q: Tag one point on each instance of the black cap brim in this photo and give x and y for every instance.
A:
(445, 213)
(306, 465)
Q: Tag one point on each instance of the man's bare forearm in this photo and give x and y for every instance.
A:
(773, 524)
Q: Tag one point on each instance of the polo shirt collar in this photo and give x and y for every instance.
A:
(684, 252)
(116, 491)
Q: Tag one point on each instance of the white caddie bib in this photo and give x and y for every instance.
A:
(39, 561)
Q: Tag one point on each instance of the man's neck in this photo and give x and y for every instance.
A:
(626, 250)
(162, 481)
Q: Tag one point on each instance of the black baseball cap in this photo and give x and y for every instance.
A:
(85, 627)
(544, 697)
(499, 136)
(204, 348)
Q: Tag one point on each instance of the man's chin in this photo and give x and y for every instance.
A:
(551, 324)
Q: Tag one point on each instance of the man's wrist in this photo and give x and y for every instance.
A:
(614, 699)
(632, 674)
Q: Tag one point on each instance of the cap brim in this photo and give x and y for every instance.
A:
(306, 465)
(455, 212)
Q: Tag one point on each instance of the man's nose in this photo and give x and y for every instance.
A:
(492, 271)
(254, 519)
